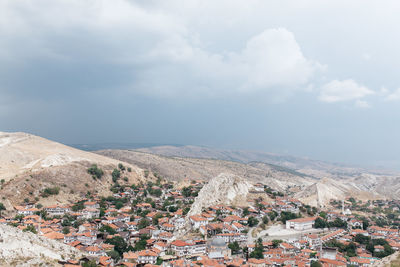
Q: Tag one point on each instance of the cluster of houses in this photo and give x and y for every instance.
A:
(157, 230)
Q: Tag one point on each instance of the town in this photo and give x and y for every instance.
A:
(151, 225)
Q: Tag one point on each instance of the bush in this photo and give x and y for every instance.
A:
(50, 191)
(252, 221)
(116, 174)
(95, 171)
(121, 167)
(30, 228)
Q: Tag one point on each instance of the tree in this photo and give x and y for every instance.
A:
(2, 207)
(89, 264)
(338, 223)
(141, 244)
(258, 250)
(320, 223)
(108, 229)
(187, 191)
(119, 244)
(286, 215)
(116, 174)
(234, 247)
(65, 230)
(362, 239)
(252, 221)
(143, 223)
(95, 171)
(365, 223)
(272, 215)
(50, 191)
(121, 167)
(276, 242)
(315, 264)
(245, 211)
(156, 192)
(114, 255)
(265, 219)
(323, 214)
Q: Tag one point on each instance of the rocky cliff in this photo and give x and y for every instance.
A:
(228, 189)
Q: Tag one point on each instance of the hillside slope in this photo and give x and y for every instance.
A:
(311, 167)
(29, 164)
(19, 248)
(310, 189)
(175, 168)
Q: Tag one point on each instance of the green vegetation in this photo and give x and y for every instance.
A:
(95, 171)
(121, 167)
(116, 174)
(258, 250)
(252, 221)
(119, 244)
(141, 244)
(315, 264)
(108, 229)
(286, 215)
(234, 247)
(30, 228)
(2, 207)
(50, 191)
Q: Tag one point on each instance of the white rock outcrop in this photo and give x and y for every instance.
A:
(18, 248)
(228, 189)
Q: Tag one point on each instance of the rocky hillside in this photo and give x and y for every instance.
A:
(312, 189)
(19, 248)
(310, 167)
(29, 164)
(175, 168)
(227, 189)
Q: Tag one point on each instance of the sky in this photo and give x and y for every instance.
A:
(307, 77)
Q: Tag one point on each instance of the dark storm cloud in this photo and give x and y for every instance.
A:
(301, 77)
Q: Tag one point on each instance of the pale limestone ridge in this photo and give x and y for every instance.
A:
(228, 189)
(20, 152)
(18, 248)
(29, 164)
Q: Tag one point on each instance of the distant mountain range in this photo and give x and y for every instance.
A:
(29, 164)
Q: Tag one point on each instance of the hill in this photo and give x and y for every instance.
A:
(19, 248)
(315, 190)
(307, 166)
(29, 164)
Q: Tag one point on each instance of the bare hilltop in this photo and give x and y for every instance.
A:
(30, 165)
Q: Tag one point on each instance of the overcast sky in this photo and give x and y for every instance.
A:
(312, 78)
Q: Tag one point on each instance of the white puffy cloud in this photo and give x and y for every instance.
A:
(346, 90)
(393, 96)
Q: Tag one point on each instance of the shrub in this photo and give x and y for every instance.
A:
(50, 191)
(116, 174)
(95, 171)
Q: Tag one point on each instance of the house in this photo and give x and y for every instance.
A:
(86, 238)
(95, 251)
(332, 263)
(301, 223)
(179, 223)
(91, 205)
(314, 241)
(90, 213)
(57, 210)
(168, 227)
(360, 262)
(197, 221)
(25, 211)
(181, 248)
(147, 257)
